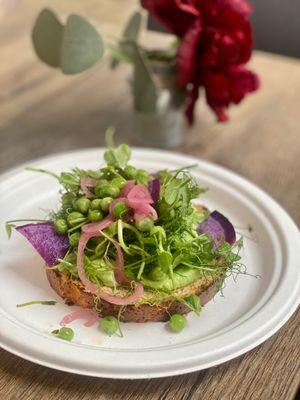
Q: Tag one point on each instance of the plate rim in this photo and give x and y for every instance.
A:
(218, 169)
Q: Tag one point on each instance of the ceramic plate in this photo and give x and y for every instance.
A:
(252, 309)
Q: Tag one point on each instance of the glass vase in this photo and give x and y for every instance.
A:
(164, 128)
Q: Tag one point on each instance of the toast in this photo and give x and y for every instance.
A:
(145, 310)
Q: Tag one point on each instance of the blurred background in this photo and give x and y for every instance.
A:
(43, 111)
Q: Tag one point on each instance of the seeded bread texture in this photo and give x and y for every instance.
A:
(144, 310)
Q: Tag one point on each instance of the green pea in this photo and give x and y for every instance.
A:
(75, 218)
(107, 190)
(61, 226)
(120, 209)
(142, 176)
(95, 215)
(105, 203)
(144, 225)
(109, 325)
(130, 172)
(177, 323)
(74, 239)
(119, 182)
(83, 204)
(95, 204)
(65, 333)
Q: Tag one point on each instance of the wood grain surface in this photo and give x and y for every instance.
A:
(43, 112)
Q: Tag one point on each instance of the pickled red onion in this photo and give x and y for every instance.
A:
(85, 237)
(85, 313)
(85, 182)
(139, 194)
(120, 300)
(95, 227)
(119, 272)
(126, 189)
(144, 209)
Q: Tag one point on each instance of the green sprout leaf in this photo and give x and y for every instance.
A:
(73, 47)
(118, 157)
(165, 260)
(193, 302)
(69, 180)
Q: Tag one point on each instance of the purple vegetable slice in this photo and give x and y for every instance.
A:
(219, 228)
(49, 244)
(154, 189)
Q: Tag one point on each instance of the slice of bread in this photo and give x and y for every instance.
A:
(153, 306)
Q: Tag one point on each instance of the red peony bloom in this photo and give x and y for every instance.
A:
(216, 41)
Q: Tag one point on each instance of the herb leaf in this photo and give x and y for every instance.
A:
(118, 157)
(193, 302)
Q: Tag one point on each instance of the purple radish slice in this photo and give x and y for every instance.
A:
(49, 244)
(154, 189)
(219, 228)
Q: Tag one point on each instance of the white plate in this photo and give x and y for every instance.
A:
(251, 310)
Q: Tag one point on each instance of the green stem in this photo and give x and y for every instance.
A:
(43, 302)
(43, 171)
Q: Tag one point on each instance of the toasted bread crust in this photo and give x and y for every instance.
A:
(74, 294)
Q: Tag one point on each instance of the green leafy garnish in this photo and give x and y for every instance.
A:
(163, 254)
(193, 302)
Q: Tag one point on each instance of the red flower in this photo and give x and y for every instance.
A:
(216, 40)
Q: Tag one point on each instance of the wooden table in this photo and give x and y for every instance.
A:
(43, 112)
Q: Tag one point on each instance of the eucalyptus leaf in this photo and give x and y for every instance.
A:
(133, 26)
(82, 45)
(144, 90)
(47, 37)
(73, 48)
(131, 32)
